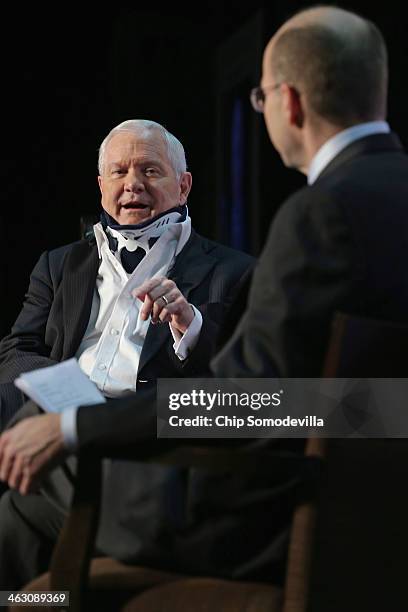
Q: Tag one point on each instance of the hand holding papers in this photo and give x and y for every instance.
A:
(32, 447)
(59, 387)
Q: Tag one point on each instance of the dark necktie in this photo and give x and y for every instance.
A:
(130, 259)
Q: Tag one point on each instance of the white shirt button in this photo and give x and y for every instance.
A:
(114, 332)
(101, 366)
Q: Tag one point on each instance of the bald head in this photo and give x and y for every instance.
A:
(335, 18)
(337, 59)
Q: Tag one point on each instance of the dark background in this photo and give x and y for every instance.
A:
(69, 75)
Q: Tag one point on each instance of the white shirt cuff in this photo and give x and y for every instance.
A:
(184, 343)
(69, 428)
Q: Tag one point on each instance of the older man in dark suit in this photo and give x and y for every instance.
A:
(142, 299)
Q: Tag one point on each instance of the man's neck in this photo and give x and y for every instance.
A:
(316, 136)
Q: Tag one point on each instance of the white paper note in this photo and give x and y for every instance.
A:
(59, 387)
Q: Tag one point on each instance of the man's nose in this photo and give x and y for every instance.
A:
(134, 182)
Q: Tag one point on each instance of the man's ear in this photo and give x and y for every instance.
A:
(185, 186)
(293, 106)
(100, 183)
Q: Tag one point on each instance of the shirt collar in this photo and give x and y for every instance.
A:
(340, 141)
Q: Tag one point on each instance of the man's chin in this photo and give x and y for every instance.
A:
(133, 217)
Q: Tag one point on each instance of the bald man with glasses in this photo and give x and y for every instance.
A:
(340, 242)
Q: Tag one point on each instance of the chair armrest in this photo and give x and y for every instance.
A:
(73, 551)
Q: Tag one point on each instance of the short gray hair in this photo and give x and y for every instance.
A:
(175, 149)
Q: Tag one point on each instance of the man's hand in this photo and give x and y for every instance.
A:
(29, 450)
(164, 302)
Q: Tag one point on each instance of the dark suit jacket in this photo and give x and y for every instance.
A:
(57, 307)
(153, 515)
(339, 244)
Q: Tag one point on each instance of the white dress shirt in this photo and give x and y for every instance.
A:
(110, 350)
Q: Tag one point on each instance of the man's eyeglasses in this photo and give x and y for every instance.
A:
(258, 95)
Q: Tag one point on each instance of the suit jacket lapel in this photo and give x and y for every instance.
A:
(192, 265)
(78, 288)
